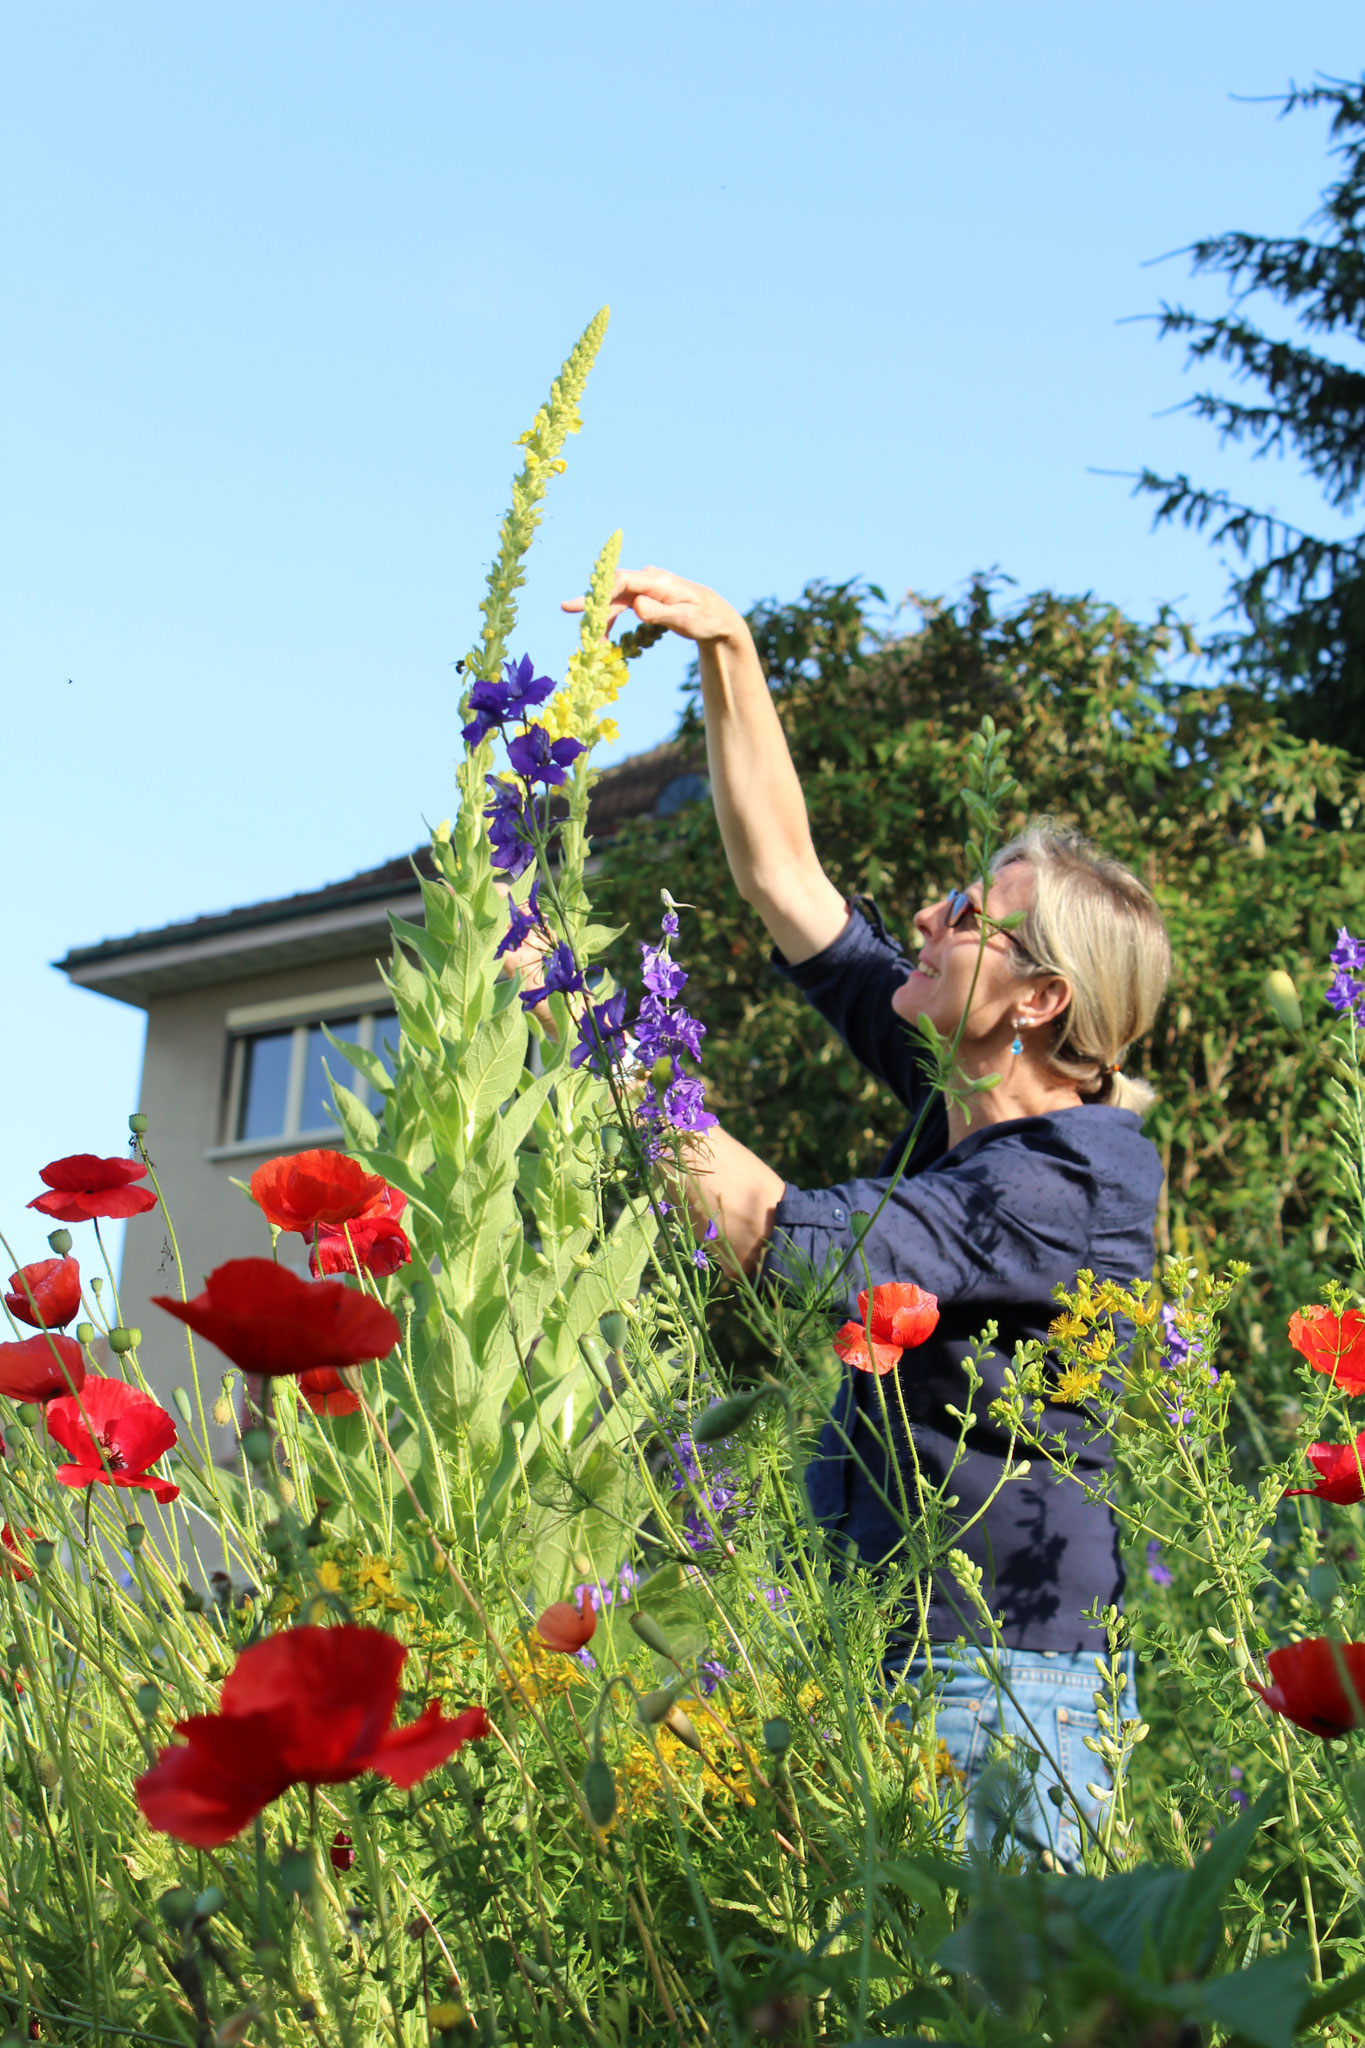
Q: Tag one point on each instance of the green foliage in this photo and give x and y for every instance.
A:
(1213, 802)
(1302, 598)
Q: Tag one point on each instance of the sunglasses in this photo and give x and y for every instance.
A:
(959, 912)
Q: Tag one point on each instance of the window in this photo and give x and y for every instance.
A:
(277, 1086)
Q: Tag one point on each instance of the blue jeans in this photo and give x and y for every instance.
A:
(1056, 1694)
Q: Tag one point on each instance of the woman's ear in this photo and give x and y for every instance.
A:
(1047, 999)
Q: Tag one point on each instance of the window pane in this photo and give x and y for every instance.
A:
(385, 1040)
(315, 1108)
(265, 1085)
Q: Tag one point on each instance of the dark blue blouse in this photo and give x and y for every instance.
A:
(990, 1227)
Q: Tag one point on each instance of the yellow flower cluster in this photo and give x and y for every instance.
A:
(543, 1675)
(597, 671)
(1083, 1334)
(363, 1580)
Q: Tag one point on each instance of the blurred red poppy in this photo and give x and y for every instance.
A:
(1318, 1684)
(129, 1427)
(311, 1706)
(341, 1854)
(565, 1627)
(1332, 1344)
(902, 1315)
(377, 1239)
(267, 1320)
(45, 1295)
(307, 1191)
(326, 1394)
(11, 1556)
(83, 1186)
(1339, 1468)
(36, 1368)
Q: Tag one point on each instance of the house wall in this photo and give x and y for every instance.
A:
(184, 1079)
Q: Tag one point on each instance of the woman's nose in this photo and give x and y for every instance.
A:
(925, 918)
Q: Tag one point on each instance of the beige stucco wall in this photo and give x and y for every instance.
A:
(182, 1095)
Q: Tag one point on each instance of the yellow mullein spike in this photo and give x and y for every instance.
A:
(597, 671)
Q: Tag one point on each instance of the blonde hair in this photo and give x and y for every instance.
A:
(1093, 922)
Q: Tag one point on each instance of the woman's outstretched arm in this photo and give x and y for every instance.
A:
(758, 802)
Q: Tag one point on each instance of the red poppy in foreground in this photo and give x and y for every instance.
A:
(83, 1186)
(377, 1239)
(45, 1295)
(903, 1315)
(1339, 1468)
(36, 1368)
(1332, 1344)
(326, 1393)
(268, 1321)
(129, 1427)
(308, 1191)
(565, 1627)
(1318, 1684)
(312, 1706)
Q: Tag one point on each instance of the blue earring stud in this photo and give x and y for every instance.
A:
(1018, 1045)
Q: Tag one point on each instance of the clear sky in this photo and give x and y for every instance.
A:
(285, 281)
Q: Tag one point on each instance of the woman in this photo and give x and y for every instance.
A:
(1002, 1197)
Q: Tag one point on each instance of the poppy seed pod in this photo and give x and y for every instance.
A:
(60, 1241)
(121, 1341)
(137, 1124)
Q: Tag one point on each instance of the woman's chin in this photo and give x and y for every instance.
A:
(911, 1000)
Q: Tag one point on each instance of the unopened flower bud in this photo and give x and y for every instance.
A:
(599, 1790)
(777, 1735)
(192, 1602)
(43, 1552)
(677, 1722)
(47, 1770)
(612, 1139)
(85, 1333)
(124, 1340)
(726, 1417)
(256, 1445)
(147, 1699)
(615, 1328)
(1283, 999)
(649, 1631)
(177, 1906)
(29, 1413)
(341, 1853)
(137, 1124)
(180, 1400)
(652, 1707)
(60, 1241)
(134, 1535)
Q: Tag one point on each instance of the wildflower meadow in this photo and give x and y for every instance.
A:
(499, 1685)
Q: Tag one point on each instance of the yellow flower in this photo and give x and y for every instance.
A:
(1099, 1347)
(1112, 1300)
(329, 1576)
(1074, 1385)
(1067, 1328)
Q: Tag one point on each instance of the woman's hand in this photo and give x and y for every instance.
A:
(659, 598)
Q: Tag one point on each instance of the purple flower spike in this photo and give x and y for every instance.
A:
(559, 975)
(685, 1107)
(1348, 953)
(521, 923)
(601, 1030)
(495, 702)
(661, 976)
(538, 758)
(710, 1673)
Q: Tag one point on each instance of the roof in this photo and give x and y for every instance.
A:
(340, 919)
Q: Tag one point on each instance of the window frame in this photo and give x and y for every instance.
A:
(370, 1005)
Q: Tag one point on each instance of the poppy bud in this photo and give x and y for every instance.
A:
(611, 1138)
(677, 1722)
(210, 1901)
(177, 1906)
(256, 1445)
(222, 1411)
(137, 1124)
(14, 1656)
(596, 1361)
(599, 1790)
(148, 1699)
(29, 1413)
(180, 1400)
(615, 1329)
(192, 1602)
(43, 1552)
(653, 1707)
(648, 1630)
(777, 1735)
(85, 1333)
(726, 1417)
(1056, 1795)
(121, 1341)
(134, 1535)
(60, 1241)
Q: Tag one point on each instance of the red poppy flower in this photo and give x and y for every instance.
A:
(341, 1854)
(326, 1394)
(1318, 1684)
(1332, 1344)
(36, 1368)
(267, 1320)
(54, 1286)
(312, 1706)
(307, 1191)
(565, 1627)
(131, 1429)
(1339, 1468)
(903, 1315)
(83, 1186)
(377, 1239)
(11, 1556)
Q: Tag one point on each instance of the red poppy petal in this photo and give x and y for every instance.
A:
(1319, 1685)
(562, 1626)
(37, 1368)
(46, 1295)
(84, 1171)
(1334, 1345)
(407, 1754)
(851, 1344)
(267, 1320)
(335, 1691)
(206, 1790)
(304, 1190)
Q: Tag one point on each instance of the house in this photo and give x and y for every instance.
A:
(232, 1069)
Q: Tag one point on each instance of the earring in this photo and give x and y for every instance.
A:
(1018, 1046)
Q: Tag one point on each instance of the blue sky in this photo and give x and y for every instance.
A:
(285, 283)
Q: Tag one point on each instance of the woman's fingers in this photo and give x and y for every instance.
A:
(657, 597)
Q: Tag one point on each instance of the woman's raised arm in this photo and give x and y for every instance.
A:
(758, 802)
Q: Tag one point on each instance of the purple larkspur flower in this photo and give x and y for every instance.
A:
(521, 923)
(538, 758)
(1160, 1574)
(663, 1033)
(1180, 1350)
(661, 975)
(495, 701)
(559, 976)
(511, 828)
(601, 1029)
(1348, 953)
(670, 924)
(709, 1674)
(700, 1260)
(684, 1107)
